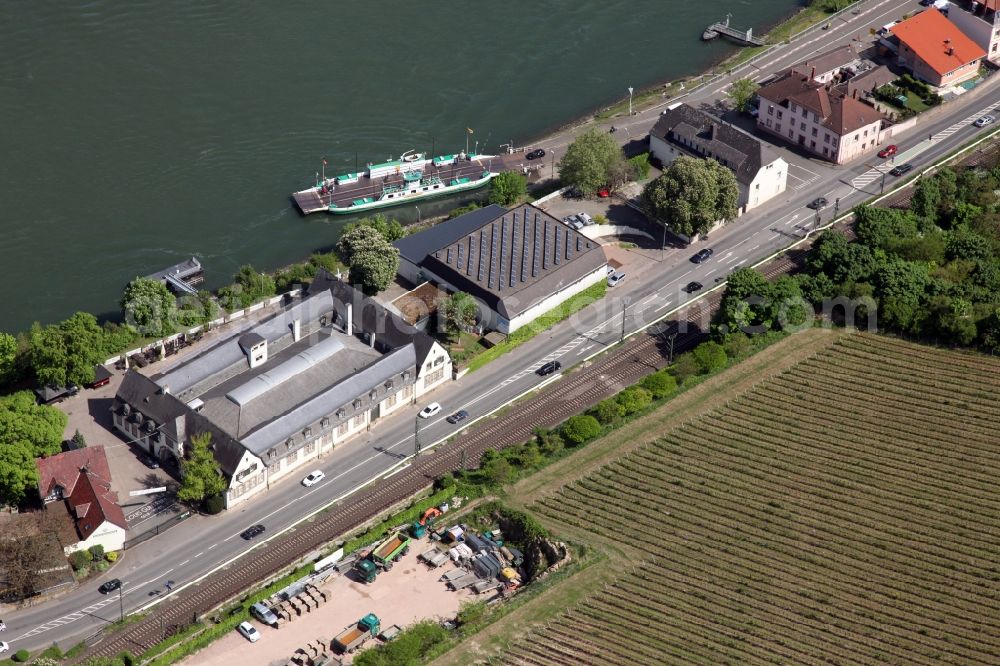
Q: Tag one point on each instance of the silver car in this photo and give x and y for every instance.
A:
(984, 121)
(586, 219)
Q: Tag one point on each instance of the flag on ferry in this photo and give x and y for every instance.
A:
(469, 130)
(324, 161)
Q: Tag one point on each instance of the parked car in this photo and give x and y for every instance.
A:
(702, 256)
(260, 611)
(615, 278)
(4, 647)
(577, 224)
(313, 478)
(692, 287)
(151, 462)
(430, 410)
(611, 269)
(535, 154)
(251, 532)
(109, 586)
(249, 631)
(586, 219)
(458, 417)
(984, 121)
(570, 219)
(817, 203)
(72, 389)
(604, 193)
(549, 368)
(888, 151)
(901, 170)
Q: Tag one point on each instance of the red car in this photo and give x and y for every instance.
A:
(888, 151)
(604, 193)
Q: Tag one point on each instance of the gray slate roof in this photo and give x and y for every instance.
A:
(416, 247)
(708, 136)
(514, 258)
(828, 61)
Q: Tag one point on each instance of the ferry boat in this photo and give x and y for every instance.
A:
(413, 177)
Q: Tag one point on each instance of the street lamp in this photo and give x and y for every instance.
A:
(121, 603)
(418, 214)
(630, 100)
(416, 435)
(663, 245)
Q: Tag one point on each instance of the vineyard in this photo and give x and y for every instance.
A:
(842, 512)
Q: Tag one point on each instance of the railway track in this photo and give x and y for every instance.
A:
(577, 391)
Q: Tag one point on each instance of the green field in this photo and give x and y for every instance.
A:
(842, 510)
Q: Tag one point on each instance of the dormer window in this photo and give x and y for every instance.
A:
(307, 433)
(341, 413)
(325, 422)
(357, 404)
(288, 443)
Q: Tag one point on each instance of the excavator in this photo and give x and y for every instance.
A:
(419, 528)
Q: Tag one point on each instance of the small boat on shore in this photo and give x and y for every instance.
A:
(413, 177)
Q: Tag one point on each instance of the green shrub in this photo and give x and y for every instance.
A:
(498, 471)
(213, 504)
(79, 559)
(45, 660)
(471, 612)
(21, 655)
(410, 647)
(600, 219)
(579, 429)
(638, 166)
(684, 367)
(633, 399)
(101, 565)
(111, 557)
(96, 552)
(444, 482)
(659, 384)
(606, 411)
(737, 345)
(710, 357)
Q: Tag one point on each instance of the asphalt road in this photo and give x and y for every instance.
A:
(200, 545)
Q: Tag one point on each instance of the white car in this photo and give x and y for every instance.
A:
(249, 631)
(615, 278)
(4, 647)
(313, 478)
(430, 410)
(585, 218)
(984, 121)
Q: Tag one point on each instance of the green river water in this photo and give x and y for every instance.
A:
(135, 134)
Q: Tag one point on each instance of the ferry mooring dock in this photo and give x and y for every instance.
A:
(745, 38)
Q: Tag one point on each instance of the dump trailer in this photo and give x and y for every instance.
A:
(464, 582)
(391, 550)
(354, 636)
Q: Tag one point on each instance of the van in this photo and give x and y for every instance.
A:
(264, 614)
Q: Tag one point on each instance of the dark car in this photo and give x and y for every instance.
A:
(818, 203)
(458, 416)
(251, 532)
(72, 389)
(702, 256)
(151, 462)
(535, 154)
(549, 368)
(692, 287)
(109, 586)
(901, 170)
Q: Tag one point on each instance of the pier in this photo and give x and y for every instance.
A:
(181, 278)
(745, 38)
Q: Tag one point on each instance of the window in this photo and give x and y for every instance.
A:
(292, 457)
(770, 111)
(434, 377)
(812, 144)
(791, 133)
(358, 420)
(310, 447)
(826, 138)
(768, 123)
(802, 127)
(866, 134)
(814, 131)
(777, 128)
(439, 360)
(779, 114)
(793, 107)
(342, 429)
(857, 136)
(390, 401)
(273, 467)
(825, 151)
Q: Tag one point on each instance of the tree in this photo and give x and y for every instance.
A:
(591, 162)
(633, 399)
(79, 440)
(580, 428)
(507, 188)
(460, 311)
(498, 471)
(149, 307)
(884, 227)
(741, 93)
(639, 167)
(27, 431)
(8, 358)
(746, 304)
(965, 244)
(692, 195)
(606, 411)
(389, 229)
(926, 198)
(67, 352)
(659, 384)
(684, 367)
(200, 473)
(710, 357)
(371, 259)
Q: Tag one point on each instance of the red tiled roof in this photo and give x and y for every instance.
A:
(937, 41)
(837, 112)
(92, 503)
(63, 469)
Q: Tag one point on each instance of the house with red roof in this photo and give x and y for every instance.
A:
(936, 50)
(818, 117)
(82, 479)
(980, 21)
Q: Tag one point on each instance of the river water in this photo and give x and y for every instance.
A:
(137, 133)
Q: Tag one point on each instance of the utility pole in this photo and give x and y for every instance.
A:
(462, 464)
(836, 206)
(625, 302)
(121, 603)
(883, 183)
(630, 100)
(670, 354)
(663, 245)
(416, 436)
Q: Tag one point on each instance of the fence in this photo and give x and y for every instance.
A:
(157, 529)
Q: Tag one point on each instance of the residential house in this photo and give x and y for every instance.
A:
(81, 478)
(818, 118)
(280, 393)
(980, 22)
(936, 50)
(761, 173)
(826, 67)
(517, 264)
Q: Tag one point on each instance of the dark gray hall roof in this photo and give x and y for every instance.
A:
(416, 247)
(708, 136)
(516, 259)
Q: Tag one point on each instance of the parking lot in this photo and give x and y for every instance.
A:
(409, 592)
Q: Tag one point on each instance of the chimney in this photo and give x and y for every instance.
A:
(349, 324)
(296, 330)
(950, 51)
(854, 94)
(812, 74)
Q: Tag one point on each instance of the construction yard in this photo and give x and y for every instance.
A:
(409, 592)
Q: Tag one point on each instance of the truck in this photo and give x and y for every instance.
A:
(366, 570)
(391, 550)
(355, 635)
